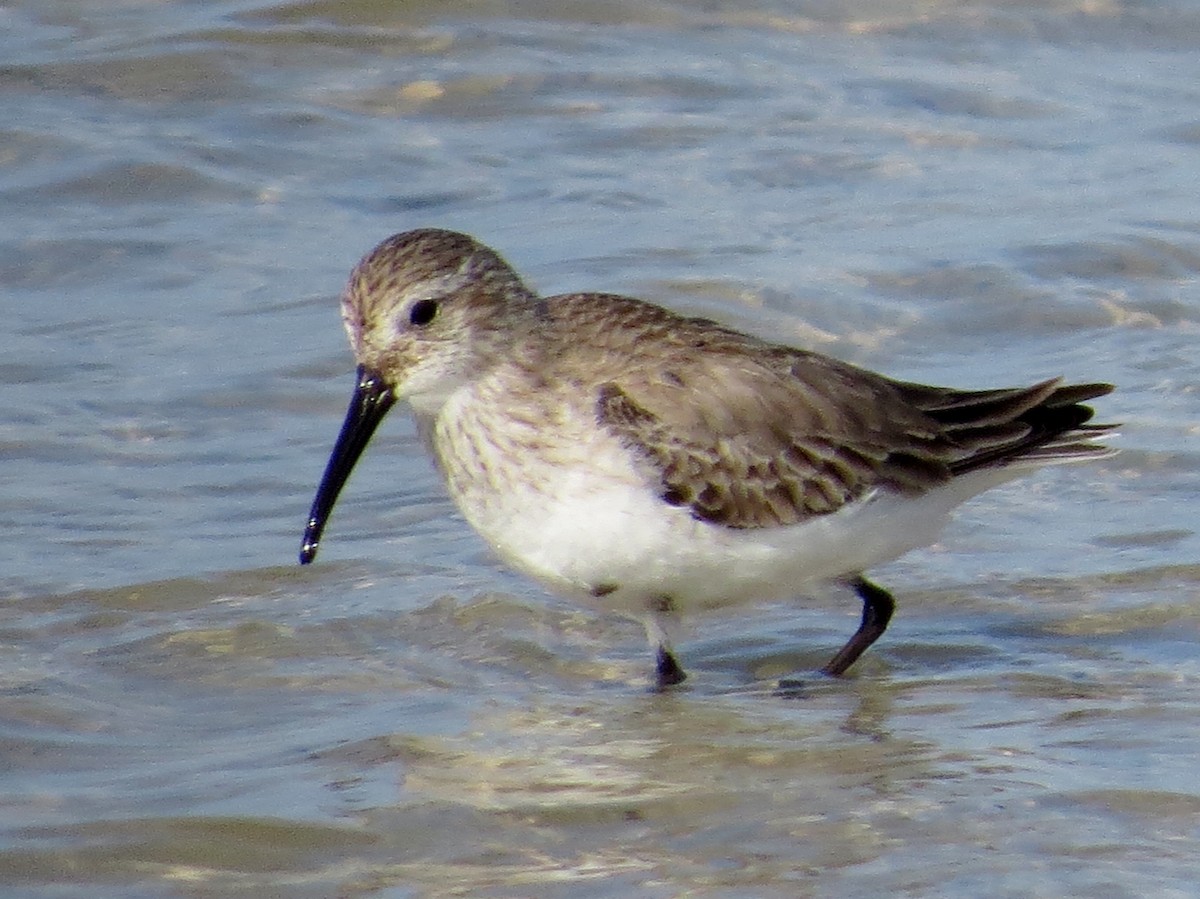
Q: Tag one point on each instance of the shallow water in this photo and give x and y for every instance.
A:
(968, 193)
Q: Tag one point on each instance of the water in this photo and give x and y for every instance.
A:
(969, 193)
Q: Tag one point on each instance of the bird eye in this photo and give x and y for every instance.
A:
(422, 312)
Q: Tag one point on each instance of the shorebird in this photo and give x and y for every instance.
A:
(655, 464)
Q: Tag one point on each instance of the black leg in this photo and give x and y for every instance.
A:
(878, 606)
(669, 671)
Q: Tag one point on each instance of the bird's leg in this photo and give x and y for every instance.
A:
(878, 606)
(662, 619)
(669, 671)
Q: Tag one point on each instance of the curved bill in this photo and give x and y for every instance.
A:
(372, 398)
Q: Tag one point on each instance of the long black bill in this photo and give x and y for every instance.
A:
(372, 398)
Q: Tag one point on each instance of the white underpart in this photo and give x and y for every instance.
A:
(569, 506)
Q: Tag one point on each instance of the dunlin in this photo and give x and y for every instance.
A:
(655, 464)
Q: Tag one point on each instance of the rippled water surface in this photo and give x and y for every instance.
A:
(976, 193)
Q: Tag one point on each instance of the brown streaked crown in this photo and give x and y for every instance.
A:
(467, 280)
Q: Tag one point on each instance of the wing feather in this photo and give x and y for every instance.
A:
(749, 434)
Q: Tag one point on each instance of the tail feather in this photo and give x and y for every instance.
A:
(978, 409)
(1044, 423)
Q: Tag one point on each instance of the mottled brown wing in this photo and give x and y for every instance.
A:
(752, 435)
(760, 442)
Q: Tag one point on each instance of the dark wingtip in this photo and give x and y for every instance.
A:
(1070, 394)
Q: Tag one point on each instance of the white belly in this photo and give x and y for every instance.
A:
(578, 514)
